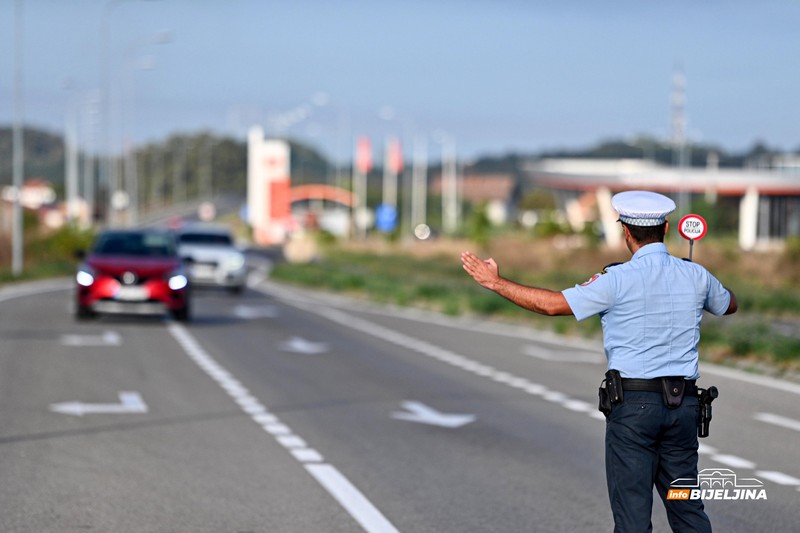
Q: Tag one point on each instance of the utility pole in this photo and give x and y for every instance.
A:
(419, 183)
(17, 156)
(679, 154)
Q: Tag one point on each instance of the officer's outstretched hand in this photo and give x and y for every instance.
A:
(486, 273)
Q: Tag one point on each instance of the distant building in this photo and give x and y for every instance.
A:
(498, 191)
(767, 197)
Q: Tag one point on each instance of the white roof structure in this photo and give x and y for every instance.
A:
(769, 208)
(626, 174)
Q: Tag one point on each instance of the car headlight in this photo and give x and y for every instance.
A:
(85, 277)
(178, 281)
(235, 261)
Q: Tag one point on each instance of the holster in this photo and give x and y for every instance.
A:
(604, 402)
(610, 392)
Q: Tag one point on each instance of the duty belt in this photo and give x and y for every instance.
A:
(654, 385)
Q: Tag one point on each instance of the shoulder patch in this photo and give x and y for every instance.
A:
(604, 271)
(588, 281)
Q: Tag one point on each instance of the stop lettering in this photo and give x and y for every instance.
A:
(692, 227)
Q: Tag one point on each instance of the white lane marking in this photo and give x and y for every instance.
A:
(33, 288)
(778, 477)
(301, 345)
(250, 312)
(778, 420)
(108, 338)
(705, 449)
(422, 414)
(129, 402)
(460, 361)
(764, 381)
(350, 498)
(337, 485)
(579, 406)
(546, 354)
(733, 461)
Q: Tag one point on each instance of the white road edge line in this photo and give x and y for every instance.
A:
(778, 420)
(337, 485)
(436, 352)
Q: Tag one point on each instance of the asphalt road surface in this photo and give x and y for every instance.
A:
(283, 410)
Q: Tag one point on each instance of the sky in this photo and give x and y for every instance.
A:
(489, 77)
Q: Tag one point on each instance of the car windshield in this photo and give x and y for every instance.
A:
(212, 239)
(135, 244)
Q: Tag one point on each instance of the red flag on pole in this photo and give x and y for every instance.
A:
(363, 155)
(395, 156)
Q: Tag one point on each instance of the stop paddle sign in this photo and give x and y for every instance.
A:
(692, 227)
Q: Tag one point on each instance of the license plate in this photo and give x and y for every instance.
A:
(132, 294)
(203, 271)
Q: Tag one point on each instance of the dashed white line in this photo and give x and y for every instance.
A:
(564, 357)
(337, 485)
(778, 477)
(778, 420)
(349, 497)
(733, 461)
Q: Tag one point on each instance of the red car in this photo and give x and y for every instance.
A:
(133, 272)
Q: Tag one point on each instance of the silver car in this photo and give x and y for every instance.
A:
(212, 257)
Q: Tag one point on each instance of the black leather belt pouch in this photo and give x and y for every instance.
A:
(673, 389)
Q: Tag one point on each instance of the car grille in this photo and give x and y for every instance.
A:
(138, 280)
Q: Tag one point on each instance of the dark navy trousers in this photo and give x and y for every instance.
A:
(649, 444)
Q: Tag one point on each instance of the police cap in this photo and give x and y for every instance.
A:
(642, 208)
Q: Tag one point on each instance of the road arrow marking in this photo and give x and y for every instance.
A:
(130, 402)
(108, 338)
(300, 345)
(421, 413)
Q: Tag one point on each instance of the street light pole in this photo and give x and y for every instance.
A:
(18, 160)
(131, 182)
(105, 107)
(449, 180)
(71, 163)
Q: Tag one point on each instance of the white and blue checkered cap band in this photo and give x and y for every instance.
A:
(642, 208)
(643, 221)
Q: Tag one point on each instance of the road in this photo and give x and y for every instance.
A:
(283, 410)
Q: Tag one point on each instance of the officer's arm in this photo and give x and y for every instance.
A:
(733, 306)
(538, 300)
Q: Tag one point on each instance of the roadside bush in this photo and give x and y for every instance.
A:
(748, 338)
(479, 226)
(51, 254)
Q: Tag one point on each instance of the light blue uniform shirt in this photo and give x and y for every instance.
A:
(650, 309)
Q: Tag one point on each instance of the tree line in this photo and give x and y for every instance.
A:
(192, 165)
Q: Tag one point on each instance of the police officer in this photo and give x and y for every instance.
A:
(650, 309)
